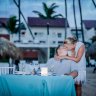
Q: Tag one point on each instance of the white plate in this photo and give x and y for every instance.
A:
(21, 73)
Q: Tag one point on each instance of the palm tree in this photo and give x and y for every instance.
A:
(49, 12)
(17, 5)
(79, 2)
(94, 3)
(12, 25)
(74, 12)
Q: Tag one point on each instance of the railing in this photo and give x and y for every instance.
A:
(5, 70)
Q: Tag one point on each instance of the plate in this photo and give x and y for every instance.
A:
(21, 73)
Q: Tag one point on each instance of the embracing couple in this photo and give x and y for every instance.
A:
(70, 60)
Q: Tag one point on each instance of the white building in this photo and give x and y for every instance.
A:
(44, 30)
(48, 34)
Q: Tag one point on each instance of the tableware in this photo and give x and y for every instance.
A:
(21, 73)
(44, 71)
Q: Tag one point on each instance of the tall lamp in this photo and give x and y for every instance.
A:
(47, 28)
(48, 55)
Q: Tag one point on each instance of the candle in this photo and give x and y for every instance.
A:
(44, 71)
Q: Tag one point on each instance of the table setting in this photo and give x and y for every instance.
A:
(40, 71)
(39, 81)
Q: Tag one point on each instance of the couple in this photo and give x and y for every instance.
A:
(70, 59)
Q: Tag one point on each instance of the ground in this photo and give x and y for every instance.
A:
(89, 89)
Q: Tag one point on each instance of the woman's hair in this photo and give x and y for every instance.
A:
(70, 40)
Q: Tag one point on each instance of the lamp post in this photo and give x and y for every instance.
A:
(48, 55)
(65, 19)
(48, 28)
(22, 31)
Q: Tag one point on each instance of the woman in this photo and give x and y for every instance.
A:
(79, 61)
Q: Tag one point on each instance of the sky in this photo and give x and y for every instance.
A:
(8, 8)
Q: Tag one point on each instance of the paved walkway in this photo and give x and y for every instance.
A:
(89, 89)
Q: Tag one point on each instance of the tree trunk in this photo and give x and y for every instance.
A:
(75, 18)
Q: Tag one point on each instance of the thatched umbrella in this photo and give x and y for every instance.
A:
(91, 53)
(92, 50)
(9, 49)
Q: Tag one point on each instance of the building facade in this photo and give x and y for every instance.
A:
(47, 33)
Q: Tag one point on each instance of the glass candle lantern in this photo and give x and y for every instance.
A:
(44, 71)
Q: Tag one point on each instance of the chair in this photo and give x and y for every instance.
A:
(93, 64)
(92, 61)
(5, 70)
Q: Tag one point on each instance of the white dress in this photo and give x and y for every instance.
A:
(80, 66)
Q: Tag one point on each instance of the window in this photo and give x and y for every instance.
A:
(52, 52)
(54, 42)
(60, 42)
(35, 33)
(38, 34)
(59, 35)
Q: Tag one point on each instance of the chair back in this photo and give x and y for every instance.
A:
(5, 70)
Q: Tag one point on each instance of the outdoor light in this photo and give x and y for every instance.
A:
(47, 28)
(44, 71)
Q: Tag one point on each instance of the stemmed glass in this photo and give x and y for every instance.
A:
(23, 67)
(51, 69)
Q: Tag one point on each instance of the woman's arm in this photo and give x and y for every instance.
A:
(77, 58)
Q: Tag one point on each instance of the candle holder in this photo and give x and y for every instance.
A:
(44, 71)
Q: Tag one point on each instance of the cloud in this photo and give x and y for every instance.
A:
(27, 6)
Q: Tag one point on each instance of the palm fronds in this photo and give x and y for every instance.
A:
(49, 11)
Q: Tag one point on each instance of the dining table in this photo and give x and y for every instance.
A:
(35, 85)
